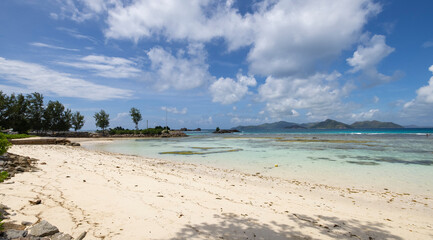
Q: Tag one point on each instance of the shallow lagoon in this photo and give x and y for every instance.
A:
(370, 160)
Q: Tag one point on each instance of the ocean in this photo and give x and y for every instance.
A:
(377, 159)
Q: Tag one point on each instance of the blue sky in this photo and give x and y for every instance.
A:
(211, 63)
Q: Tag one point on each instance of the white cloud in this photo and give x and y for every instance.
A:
(365, 115)
(424, 94)
(181, 72)
(38, 44)
(320, 93)
(238, 120)
(367, 57)
(37, 78)
(82, 10)
(293, 36)
(174, 110)
(287, 37)
(427, 44)
(74, 33)
(120, 117)
(109, 67)
(376, 99)
(228, 91)
(420, 108)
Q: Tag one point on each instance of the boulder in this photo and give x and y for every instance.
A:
(43, 229)
(12, 234)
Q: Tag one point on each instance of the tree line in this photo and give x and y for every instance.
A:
(25, 113)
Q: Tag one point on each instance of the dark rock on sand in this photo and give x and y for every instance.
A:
(12, 234)
(43, 229)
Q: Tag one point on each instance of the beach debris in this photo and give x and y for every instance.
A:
(36, 202)
(276, 165)
(159, 195)
(43, 229)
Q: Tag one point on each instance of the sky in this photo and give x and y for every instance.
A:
(209, 63)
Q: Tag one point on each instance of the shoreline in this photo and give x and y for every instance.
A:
(192, 201)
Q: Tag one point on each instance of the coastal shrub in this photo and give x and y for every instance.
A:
(4, 144)
(1, 222)
(122, 131)
(18, 136)
(3, 176)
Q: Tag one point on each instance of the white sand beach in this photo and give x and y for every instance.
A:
(114, 196)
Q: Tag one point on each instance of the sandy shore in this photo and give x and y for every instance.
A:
(113, 196)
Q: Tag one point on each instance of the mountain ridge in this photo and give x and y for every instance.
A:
(327, 124)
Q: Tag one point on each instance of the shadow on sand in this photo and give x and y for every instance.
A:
(233, 226)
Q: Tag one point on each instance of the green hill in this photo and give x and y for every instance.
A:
(331, 124)
(268, 126)
(375, 124)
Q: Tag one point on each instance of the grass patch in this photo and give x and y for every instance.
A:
(18, 136)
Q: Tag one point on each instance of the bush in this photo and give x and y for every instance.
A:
(4, 144)
(122, 131)
(3, 176)
(18, 136)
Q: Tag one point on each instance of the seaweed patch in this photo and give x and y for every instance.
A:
(200, 152)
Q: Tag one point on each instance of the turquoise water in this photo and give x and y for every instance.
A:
(396, 159)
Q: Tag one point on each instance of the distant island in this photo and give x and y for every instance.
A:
(327, 124)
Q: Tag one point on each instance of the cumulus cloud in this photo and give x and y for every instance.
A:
(424, 96)
(109, 67)
(367, 57)
(33, 77)
(365, 115)
(183, 71)
(174, 110)
(44, 45)
(292, 36)
(228, 90)
(286, 37)
(320, 93)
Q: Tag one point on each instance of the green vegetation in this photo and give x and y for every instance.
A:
(136, 116)
(102, 119)
(56, 118)
(122, 131)
(18, 136)
(331, 124)
(77, 121)
(217, 129)
(4, 144)
(200, 152)
(27, 112)
(3, 176)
